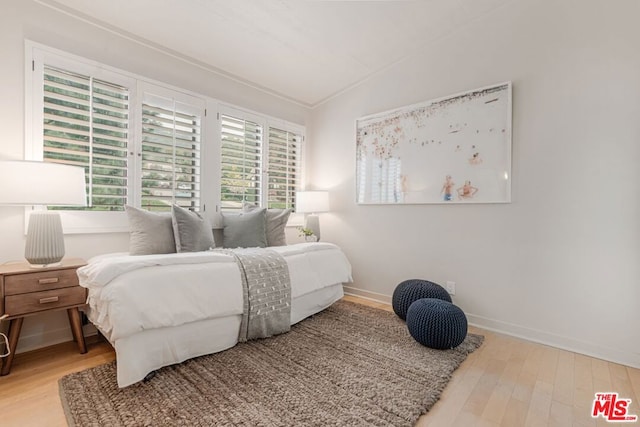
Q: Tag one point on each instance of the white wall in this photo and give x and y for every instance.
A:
(560, 263)
(28, 20)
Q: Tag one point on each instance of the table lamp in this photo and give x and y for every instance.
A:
(312, 203)
(29, 183)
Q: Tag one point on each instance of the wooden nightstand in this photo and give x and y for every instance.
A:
(25, 291)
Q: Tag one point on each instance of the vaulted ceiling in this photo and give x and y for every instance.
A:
(304, 50)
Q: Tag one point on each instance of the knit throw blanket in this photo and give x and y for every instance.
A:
(267, 293)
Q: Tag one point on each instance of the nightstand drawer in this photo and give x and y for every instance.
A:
(39, 281)
(16, 305)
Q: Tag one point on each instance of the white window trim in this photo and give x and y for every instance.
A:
(82, 222)
(266, 121)
(296, 129)
(246, 115)
(85, 222)
(295, 219)
(73, 222)
(197, 103)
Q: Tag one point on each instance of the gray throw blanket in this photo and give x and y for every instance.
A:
(266, 292)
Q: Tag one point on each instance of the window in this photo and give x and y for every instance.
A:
(140, 143)
(86, 123)
(147, 144)
(284, 168)
(241, 162)
(264, 173)
(170, 152)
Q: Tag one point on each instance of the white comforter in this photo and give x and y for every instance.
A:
(130, 294)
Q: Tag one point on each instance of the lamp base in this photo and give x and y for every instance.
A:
(53, 264)
(313, 224)
(45, 241)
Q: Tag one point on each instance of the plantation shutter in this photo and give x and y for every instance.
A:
(241, 162)
(171, 153)
(86, 123)
(283, 168)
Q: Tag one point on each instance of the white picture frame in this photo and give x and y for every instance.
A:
(454, 149)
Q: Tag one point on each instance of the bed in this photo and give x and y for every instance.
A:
(161, 309)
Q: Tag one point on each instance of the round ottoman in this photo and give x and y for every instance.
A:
(436, 323)
(412, 290)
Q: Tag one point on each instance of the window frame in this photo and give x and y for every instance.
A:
(227, 110)
(83, 221)
(86, 123)
(266, 122)
(192, 104)
(297, 168)
(36, 57)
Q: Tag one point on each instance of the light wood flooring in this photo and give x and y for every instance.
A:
(506, 382)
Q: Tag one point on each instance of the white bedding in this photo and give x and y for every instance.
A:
(132, 295)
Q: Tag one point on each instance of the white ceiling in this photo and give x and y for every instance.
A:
(304, 50)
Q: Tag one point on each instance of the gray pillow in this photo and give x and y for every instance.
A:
(245, 230)
(276, 222)
(191, 231)
(150, 232)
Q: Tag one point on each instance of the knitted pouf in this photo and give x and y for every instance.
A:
(414, 289)
(436, 323)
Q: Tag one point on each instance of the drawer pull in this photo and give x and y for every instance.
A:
(48, 300)
(49, 280)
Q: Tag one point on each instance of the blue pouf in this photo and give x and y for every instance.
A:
(414, 289)
(436, 323)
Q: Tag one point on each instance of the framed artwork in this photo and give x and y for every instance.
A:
(455, 149)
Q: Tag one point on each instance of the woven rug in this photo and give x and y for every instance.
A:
(350, 365)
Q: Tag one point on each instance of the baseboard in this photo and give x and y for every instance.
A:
(529, 334)
(554, 340)
(373, 296)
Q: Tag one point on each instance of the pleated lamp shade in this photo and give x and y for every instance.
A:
(39, 183)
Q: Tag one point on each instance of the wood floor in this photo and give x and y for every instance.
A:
(507, 382)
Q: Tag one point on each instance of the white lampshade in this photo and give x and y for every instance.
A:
(39, 183)
(312, 201)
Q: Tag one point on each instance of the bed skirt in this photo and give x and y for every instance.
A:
(167, 346)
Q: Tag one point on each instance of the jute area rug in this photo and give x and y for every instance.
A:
(350, 365)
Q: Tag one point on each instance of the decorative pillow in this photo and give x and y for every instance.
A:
(150, 232)
(276, 222)
(245, 230)
(192, 232)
